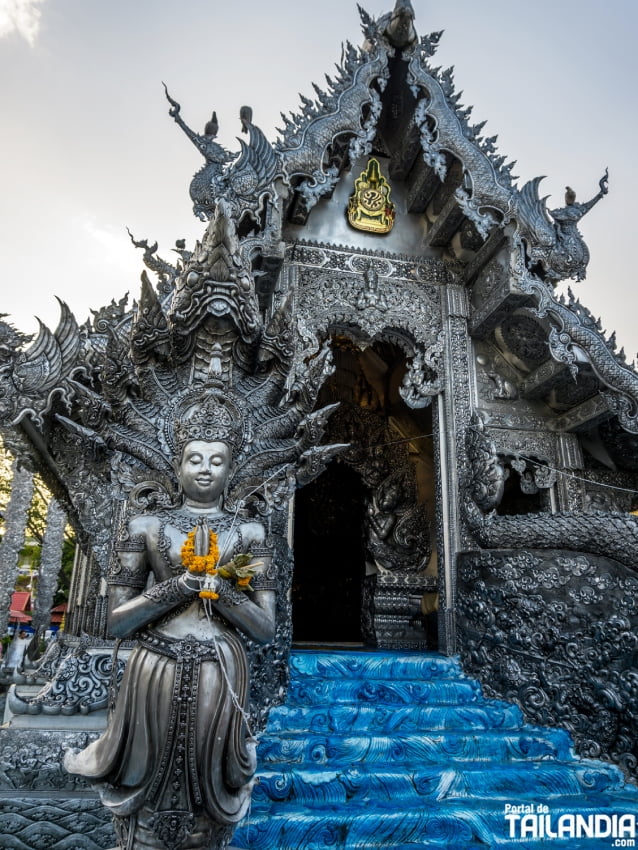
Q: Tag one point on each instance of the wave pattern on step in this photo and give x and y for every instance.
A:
(401, 750)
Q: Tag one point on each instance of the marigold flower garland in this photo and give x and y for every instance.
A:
(198, 564)
(238, 568)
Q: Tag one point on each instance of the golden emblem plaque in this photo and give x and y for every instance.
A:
(370, 207)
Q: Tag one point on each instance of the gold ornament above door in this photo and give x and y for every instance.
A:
(370, 207)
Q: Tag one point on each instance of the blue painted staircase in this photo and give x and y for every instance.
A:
(401, 750)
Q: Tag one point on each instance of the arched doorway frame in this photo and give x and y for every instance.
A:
(397, 591)
(417, 303)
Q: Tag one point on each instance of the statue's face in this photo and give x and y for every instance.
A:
(203, 470)
(390, 497)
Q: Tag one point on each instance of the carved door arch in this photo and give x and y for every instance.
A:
(392, 459)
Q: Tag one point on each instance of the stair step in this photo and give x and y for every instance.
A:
(317, 691)
(373, 665)
(375, 719)
(399, 751)
(407, 749)
(429, 784)
(461, 825)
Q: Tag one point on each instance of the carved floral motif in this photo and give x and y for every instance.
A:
(556, 632)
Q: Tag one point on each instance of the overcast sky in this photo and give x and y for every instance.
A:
(89, 149)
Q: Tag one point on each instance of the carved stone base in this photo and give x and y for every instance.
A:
(75, 823)
(396, 610)
(45, 668)
(32, 761)
(41, 805)
(80, 684)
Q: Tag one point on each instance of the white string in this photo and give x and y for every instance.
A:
(230, 534)
(208, 612)
(235, 699)
(524, 457)
(242, 503)
(571, 474)
(563, 472)
(233, 695)
(403, 440)
(578, 477)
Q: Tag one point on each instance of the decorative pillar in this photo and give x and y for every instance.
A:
(453, 409)
(86, 608)
(50, 564)
(570, 488)
(14, 535)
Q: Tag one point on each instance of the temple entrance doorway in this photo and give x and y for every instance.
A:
(364, 531)
(329, 549)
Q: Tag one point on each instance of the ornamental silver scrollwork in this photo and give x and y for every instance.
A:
(575, 331)
(424, 377)
(552, 631)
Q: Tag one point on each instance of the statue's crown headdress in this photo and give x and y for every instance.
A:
(206, 415)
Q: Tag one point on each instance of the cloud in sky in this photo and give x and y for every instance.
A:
(114, 245)
(21, 16)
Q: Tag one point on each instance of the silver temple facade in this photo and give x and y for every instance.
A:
(479, 503)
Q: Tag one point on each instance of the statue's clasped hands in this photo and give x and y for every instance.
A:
(200, 556)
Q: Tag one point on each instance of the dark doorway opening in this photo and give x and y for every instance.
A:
(329, 558)
(516, 501)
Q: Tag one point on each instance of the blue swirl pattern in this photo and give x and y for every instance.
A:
(401, 750)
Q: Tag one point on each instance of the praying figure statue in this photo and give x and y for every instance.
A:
(176, 763)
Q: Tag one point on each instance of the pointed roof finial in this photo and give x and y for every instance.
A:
(246, 118)
(212, 126)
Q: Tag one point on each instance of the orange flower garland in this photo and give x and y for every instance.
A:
(238, 568)
(201, 563)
